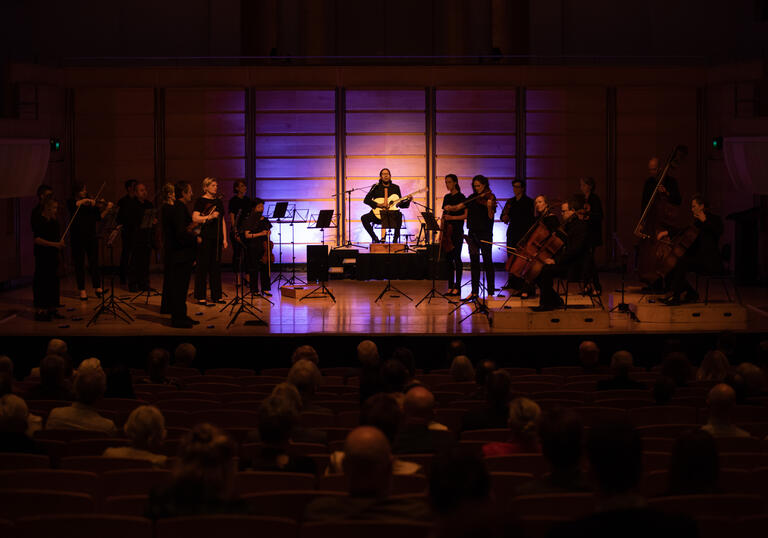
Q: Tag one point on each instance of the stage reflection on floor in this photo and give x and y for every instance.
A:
(356, 311)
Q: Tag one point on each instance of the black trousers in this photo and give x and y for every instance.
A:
(167, 279)
(546, 279)
(138, 270)
(45, 281)
(238, 255)
(369, 219)
(257, 274)
(175, 289)
(590, 269)
(125, 252)
(82, 248)
(691, 264)
(477, 248)
(208, 270)
(453, 259)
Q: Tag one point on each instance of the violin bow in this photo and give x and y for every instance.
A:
(77, 210)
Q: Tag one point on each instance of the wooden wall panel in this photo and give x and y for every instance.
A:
(295, 160)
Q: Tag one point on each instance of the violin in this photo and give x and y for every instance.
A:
(446, 232)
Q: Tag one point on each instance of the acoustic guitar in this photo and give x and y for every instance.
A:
(392, 202)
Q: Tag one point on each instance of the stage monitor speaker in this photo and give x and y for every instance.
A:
(317, 263)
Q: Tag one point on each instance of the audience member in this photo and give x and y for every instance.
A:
(615, 457)
(305, 376)
(202, 479)
(416, 436)
(53, 385)
(405, 356)
(714, 367)
(13, 426)
(277, 417)
(368, 468)
(483, 369)
(496, 413)
(721, 400)
(677, 367)
(307, 353)
(370, 365)
(621, 366)
(299, 433)
(56, 346)
(560, 433)
(751, 381)
(663, 390)
(394, 376)
(6, 365)
(589, 358)
(82, 415)
(91, 363)
(461, 369)
(523, 428)
(454, 349)
(157, 369)
(145, 428)
(119, 382)
(184, 355)
(695, 466)
(381, 411)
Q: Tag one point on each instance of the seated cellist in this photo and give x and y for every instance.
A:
(569, 262)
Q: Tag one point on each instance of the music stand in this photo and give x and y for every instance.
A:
(431, 225)
(389, 222)
(349, 243)
(279, 211)
(146, 228)
(238, 301)
(324, 220)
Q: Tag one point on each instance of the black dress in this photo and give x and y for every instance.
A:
(45, 282)
(453, 258)
(209, 250)
(179, 258)
(85, 242)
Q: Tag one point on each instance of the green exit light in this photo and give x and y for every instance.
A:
(717, 142)
(55, 144)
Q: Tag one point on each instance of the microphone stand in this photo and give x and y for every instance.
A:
(349, 243)
(623, 307)
(432, 293)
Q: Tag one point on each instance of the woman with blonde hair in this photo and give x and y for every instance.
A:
(714, 367)
(145, 428)
(523, 423)
(208, 212)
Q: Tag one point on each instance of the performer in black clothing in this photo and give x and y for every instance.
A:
(125, 210)
(43, 193)
(382, 191)
(239, 208)
(48, 243)
(594, 218)
(256, 233)
(454, 217)
(480, 212)
(85, 242)
(569, 262)
(142, 221)
(669, 188)
(517, 214)
(179, 239)
(209, 213)
(703, 256)
(168, 200)
(544, 212)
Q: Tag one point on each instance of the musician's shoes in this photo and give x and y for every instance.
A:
(221, 301)
(203, 302)
(83, 297)
(267, 293)
(99, 293)
(470, 297)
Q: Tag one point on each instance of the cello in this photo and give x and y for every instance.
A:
(538, 244)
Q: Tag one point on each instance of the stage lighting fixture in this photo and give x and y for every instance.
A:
(717, 142)
(55, 144)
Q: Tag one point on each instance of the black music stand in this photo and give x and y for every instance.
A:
(323, 221)
(239, 302)
(480, 302)
(146, 227)
(623, 307)
(109, 303)
(431, 225)
(389, 222)
(278, 214)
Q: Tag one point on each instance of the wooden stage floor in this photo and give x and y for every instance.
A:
(356, 313)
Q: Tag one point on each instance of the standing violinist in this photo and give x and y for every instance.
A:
(569, 262)
(256, 232)
(179, 241)
(239, 207)
(142, 221)
(594, 218)
(453, 219)
(48, 243)
(85, 242)
(518, 215)
(703, 256)
(208, 212)
(481, 208)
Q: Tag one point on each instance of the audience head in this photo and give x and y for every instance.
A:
(720, 401)
(13, 414)
(524, 421)
(483, 369)
(145, 428)
(752, 378)
(205, 462)
(367, 462)
(454, 349)
(458, 478)
(52, 371)
(6, 365)
(462, 369)
(694, 467)
(382, 411)
(714, 367)
(498, 388)
(305, 353)
(277, 416)
(663, 390)
(91, 363)
(621, 363)
(677, 367)
(615, 454)
(368, 354)
(157, 364)
(290, 393)
(184, 355)
(394, 376)
(405, 355)
(560, 432)
(419, 406)
(57, 346)
(90, 386)
(589, 354)
(305, 376)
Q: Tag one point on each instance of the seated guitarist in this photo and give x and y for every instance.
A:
(381, 191)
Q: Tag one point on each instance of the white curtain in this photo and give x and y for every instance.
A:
(746, 158)
(23, 164)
